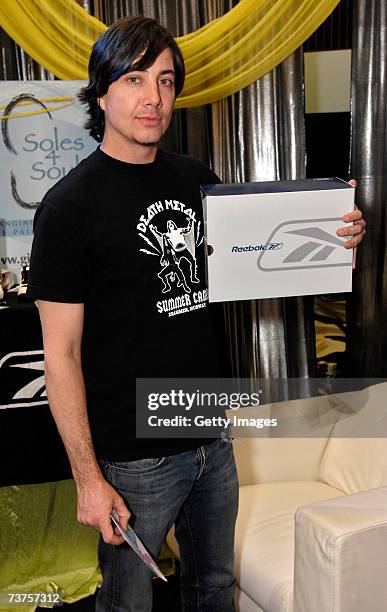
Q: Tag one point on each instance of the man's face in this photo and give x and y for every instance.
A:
(138, 106)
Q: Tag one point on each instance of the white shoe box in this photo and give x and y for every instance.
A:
(276, 239)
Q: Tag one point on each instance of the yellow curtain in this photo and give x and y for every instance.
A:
(222, 57)
(43, 547)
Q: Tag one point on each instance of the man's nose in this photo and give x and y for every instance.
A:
(152, 94)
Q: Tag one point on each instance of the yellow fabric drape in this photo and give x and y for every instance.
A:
(43, 547)
(222, 57)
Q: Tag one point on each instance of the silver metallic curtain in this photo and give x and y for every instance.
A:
(367, 330)
(258, 134)
(16, 65)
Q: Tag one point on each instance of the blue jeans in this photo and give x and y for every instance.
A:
(198, 491)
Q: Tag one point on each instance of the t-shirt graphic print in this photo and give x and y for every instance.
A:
(171, 232)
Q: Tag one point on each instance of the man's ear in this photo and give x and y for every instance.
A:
(101, 103)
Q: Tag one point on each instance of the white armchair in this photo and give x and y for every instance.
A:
(311, 534)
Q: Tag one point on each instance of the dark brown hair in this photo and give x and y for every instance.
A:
(115, 53)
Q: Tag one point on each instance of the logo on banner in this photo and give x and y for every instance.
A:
(41, 140)
(48, 148)
(23, 382)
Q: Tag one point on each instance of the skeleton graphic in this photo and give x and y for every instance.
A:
(175, 249)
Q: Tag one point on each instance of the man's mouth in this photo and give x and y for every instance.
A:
(149, 120)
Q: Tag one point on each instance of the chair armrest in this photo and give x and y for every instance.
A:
(341, 554)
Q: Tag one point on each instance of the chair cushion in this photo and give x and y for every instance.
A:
(260, 460)
(264, 542)
(358, 463)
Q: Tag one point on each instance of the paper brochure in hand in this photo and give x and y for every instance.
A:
(134, 541)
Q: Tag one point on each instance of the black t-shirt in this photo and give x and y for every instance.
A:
(127, 241)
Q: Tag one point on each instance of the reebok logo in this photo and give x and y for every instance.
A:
(307, 248)
(23, 379)
(269, 246)
(307, 244)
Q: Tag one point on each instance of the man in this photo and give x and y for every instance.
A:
(95, 270)
(176, 248)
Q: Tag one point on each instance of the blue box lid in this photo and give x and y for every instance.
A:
(320, 184)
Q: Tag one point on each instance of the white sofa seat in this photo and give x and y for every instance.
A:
(264, 553)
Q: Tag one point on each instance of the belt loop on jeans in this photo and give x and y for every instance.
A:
(201, 452)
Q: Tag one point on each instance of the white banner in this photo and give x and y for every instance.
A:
(42, 138)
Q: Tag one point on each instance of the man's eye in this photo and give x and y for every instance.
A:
(167, 82)
(133, 80)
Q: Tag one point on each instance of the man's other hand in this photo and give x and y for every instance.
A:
(356, 230)
(95, 502)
